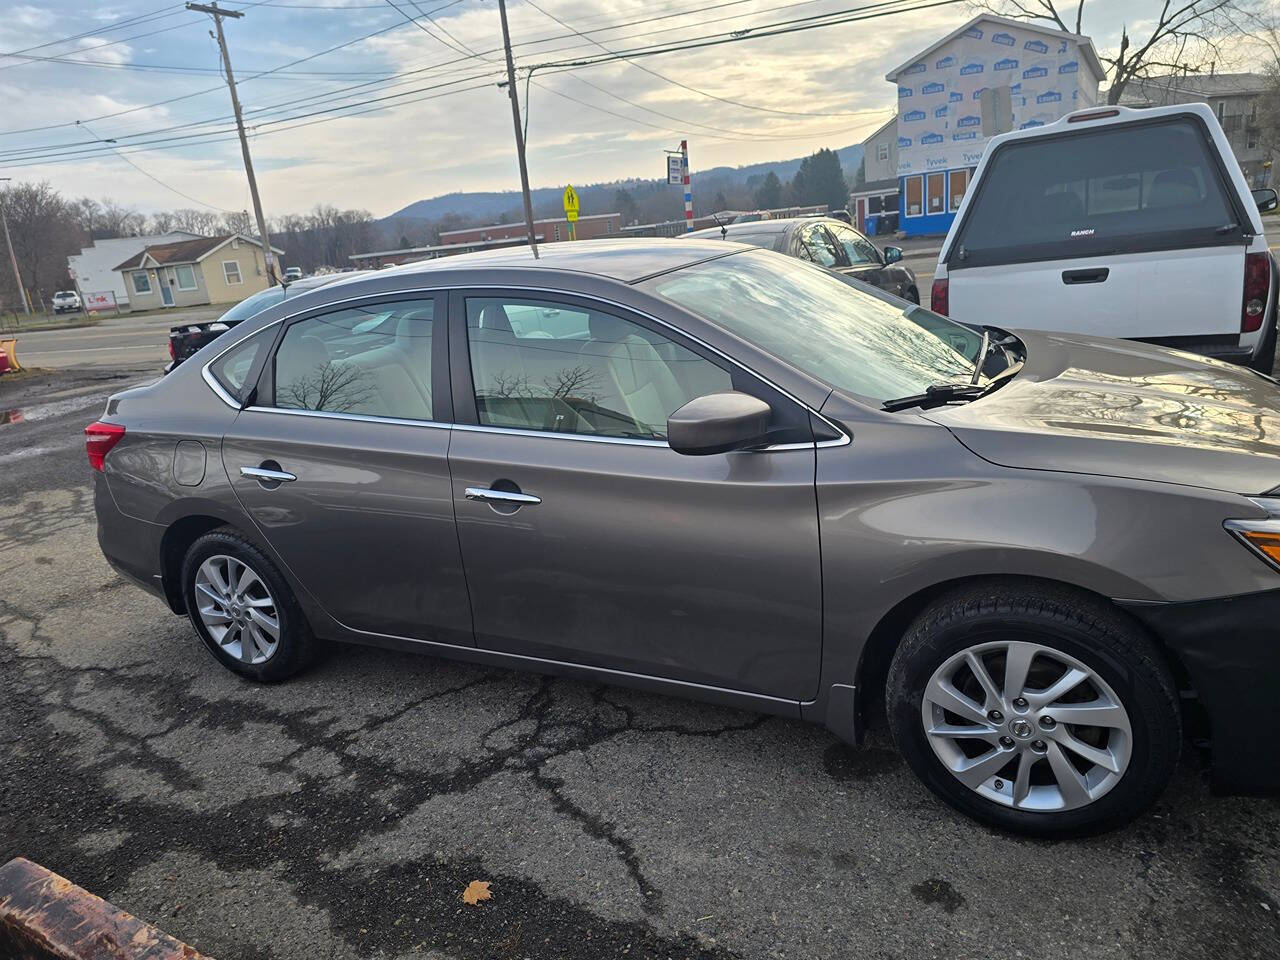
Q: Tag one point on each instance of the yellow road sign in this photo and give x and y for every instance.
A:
(570, 204)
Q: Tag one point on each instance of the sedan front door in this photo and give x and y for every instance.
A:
(587, 539)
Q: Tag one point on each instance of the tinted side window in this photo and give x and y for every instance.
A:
(231, 370)
(1150, 185)
(857, 248)
(373, 360)
(819, 246)
(540, 365)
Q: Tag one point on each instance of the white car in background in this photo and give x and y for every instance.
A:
(1117, 222)
(66, 301)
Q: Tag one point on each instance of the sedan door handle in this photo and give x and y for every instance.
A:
(261, 473)
(501, 496)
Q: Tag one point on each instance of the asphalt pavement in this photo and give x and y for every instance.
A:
(112, 342)
(342, 814)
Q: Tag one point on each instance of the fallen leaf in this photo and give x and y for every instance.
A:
(476, 891)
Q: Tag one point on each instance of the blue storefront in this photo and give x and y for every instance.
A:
(989, 76)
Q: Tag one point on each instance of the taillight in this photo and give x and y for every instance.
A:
(173, 351)
(99, 438)
(938, 297)
(1257, 287)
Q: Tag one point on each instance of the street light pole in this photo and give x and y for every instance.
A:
(13, 259)
(515, 116)
(218, 13)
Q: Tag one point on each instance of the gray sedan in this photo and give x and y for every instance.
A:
(828, 242)
(719, 472)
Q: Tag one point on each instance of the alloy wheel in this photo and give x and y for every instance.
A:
(237, 609)
(1027, 726)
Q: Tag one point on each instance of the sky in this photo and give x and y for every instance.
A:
(451, 127)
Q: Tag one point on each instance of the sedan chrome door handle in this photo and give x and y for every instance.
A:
(260, 473)
(501, 496)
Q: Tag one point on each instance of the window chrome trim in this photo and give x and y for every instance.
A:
(212, 381)
(359, 417)
(588, 437)
(843, 440)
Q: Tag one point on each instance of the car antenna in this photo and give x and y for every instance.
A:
(724, 229)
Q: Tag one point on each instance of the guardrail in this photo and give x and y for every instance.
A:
(46, 917)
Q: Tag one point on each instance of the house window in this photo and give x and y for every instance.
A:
(186, 276)
(1253, 111)
(557, 232)
(231, 272)
(915, 195)
(1222, 109)
(882, 152)
(141, 282)
(937, 193)
(959, 183)
(608, 226)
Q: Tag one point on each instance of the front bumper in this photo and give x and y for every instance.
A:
(1230, 648)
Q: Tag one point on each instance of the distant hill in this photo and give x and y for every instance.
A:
(654, 198)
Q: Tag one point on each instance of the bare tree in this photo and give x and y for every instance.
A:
(44, 233)
(117, 220)
(1184, 35)
(330, 387)
(203, 222)
(159, 223)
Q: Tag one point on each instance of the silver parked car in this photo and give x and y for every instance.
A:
(716, 471)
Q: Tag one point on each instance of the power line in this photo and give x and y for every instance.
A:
(526, 43)
(152, 176)
(678, 83)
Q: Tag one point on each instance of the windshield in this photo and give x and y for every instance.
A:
(826, 325)
(251, 306)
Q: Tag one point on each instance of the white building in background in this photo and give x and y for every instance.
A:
(93, 269)
(987, 77)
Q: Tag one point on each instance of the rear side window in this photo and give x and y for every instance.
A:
(232, 369)
(1147, 186)
(372, 361)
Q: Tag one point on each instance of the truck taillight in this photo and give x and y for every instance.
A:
(173, 350)
(99, 438)
(1257, 288)
(938, 297)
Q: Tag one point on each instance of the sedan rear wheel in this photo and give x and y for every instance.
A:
(1038, 709)
(243, 609)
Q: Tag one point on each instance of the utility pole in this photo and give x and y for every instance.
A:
(515, 116)
(13, 259)
(218, 13)
(688, 189)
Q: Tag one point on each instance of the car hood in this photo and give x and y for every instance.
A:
(1125, 409)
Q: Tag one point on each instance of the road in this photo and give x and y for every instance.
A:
(341, 815)
(113, 342)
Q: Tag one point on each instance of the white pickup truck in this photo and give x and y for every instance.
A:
(1117, 222)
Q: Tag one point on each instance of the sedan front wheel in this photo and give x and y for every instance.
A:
(1035, 709)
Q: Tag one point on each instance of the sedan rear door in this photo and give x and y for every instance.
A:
(342, 462)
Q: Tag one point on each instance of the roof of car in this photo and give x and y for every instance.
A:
(625, 260)
(753, 226)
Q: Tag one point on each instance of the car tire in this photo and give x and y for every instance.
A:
(1116, 770)
(913, 295)
(234, 613)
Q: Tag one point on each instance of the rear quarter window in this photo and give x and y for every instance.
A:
(1140, 186)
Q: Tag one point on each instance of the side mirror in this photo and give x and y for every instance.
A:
(718, 423)
(892, 254)
(1266, 199)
